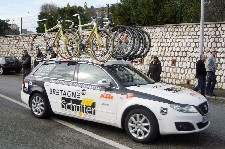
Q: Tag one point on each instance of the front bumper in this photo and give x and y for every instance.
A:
(183, 123)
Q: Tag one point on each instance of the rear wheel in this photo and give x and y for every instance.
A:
(39, 105)
(102, 49)
(141, 125)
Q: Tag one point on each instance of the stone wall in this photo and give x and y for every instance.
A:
(14, 45)
(175, 45)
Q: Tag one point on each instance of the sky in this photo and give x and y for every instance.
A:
(13, 10)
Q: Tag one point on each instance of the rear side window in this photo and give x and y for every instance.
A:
(2, 60)
(89, 73)
(44, 70)
(63, 71)
(9, 59)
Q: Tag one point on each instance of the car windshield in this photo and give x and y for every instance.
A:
(128, 75)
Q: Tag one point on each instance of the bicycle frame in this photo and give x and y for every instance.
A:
(93, 32)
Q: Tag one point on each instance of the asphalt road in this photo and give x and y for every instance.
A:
(19, 129)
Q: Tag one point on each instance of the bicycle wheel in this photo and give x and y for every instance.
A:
(147, 44)
(67, 44)
(143, 44)
(124, 42)
(102, 50)
(137, 44)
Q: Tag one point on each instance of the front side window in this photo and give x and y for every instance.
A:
(89, 73)
(128, 75)
(63, 71)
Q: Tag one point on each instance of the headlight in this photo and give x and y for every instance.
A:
(184, 108)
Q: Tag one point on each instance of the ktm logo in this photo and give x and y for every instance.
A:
(106, 96)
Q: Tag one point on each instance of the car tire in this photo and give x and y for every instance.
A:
(141, 125)
(1, 71)
(40, 106)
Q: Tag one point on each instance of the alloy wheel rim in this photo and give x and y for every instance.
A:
(1, 70)
(37, 105)
(139, 126)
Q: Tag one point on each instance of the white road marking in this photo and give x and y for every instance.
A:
(95, 136)
(110, 142)
(13, 100)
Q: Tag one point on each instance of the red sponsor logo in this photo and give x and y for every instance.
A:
(106, 96)
(129, 95)
(193, 94)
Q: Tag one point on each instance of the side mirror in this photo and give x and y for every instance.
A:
(103, 83)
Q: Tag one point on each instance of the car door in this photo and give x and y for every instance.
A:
(61, 92)
(101, 104)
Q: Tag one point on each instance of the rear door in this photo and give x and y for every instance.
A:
(59, 88)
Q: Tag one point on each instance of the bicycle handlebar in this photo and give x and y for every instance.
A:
(42, 20)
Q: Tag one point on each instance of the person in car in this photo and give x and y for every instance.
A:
(26, 64)
(155, 69)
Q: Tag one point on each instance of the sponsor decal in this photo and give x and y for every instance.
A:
(163, 111)
(129, 95)
(83, 92)
(193, 94)
(64, 93)
(106, 96)
(105, 104)
(174, 89)
(156, 86)
(72, 83)
(82, 108)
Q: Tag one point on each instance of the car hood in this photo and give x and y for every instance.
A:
(172, 93)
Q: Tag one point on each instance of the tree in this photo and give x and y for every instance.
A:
(53, 13)
(154, 12)
(48, 8)
(4, 27)
(49, 12)
(214, 10)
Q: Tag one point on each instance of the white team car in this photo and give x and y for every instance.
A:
(117, 94)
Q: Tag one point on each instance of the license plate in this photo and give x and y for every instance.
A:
(205, 118)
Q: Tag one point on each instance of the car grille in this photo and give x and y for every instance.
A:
(203, 108)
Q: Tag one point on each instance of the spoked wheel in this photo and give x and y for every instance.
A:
(67, 44)
(124, 41)
(1, 71)
(39, 105)
(102, 47)
(147, 44)
(141, 125)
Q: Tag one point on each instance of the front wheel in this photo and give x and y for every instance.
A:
(141, 125)
(39, 105)
(102, 46)
(1, 71)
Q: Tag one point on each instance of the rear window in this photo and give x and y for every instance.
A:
(2, 60)
(63, 71)
(44, 70)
